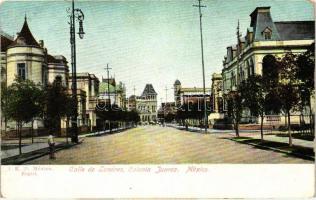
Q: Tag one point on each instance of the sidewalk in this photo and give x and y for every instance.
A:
(40, 143)
(255, 134)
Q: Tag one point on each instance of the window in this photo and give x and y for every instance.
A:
(22, 70)
(44, 75)
(267, 33)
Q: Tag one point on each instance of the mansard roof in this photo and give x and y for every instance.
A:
(25, 37)
(149, 90)
(260, 20)
(296, 30)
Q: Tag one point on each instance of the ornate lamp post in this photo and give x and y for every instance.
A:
(79, 16)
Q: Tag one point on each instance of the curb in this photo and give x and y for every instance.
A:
(277, 150)
(12, 161)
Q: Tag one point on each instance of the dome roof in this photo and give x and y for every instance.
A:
(103, 88)
(177, 82)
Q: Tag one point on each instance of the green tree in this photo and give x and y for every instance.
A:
(57, 104)
(234, 108)
(24, 102)
(253, 97)
(288, 89)
(305, 75)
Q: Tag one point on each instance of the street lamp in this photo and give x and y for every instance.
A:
(79, 16)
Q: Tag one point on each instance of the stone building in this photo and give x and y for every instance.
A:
(88, 83)
(147, 104)
(57, 68)
(188, 95)
(217, 93)
(27, 58)
(217, 105)
(109, 89)
(264, 39)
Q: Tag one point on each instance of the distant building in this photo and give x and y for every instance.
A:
(145, 104)
(109, 89)
(217, 93)
(217, 104)
(131, 102)
(190, 95)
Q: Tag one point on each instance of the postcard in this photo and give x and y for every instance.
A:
(157, 99)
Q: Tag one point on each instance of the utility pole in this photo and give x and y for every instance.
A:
(201, 33)
(115, 94)
(134, 89)
(166, 89)
(108, 70)
(238, 52)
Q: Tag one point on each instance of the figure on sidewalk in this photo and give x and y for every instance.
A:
(51, 145)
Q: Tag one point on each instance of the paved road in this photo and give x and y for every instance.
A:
(164, 145)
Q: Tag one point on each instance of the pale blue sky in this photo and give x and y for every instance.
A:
(146, 41)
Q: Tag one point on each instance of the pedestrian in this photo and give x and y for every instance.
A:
(51, 145)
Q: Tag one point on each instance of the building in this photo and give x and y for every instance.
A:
(145, 104)
(131, 102)
(264, 39)
(217, 104)
(27, 58)
(217, 93)
(167, 111)
(109, 89)
(57, 68)
(191, 95)
(88, 83)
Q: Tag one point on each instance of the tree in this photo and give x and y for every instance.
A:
(253, 97)
(305, 75)
(23, 103)
(288, 89)
(234, 108)
(57, 105)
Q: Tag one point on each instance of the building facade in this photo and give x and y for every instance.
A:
(191, 95)
(27, 58)
(111, 91)
(88, 83)
(264, 39)
(145, 104)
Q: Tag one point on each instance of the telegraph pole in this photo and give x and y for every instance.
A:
(134, 89)
(115, 94)
(165, 107)
(166, 89)
(201, 33)
(108, 70)
(238, 52)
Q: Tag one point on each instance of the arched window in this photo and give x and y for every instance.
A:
(58, 80)
(269, 68)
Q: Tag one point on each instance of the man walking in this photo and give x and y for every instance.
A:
(51, 145)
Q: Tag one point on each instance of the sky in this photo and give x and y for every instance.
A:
(153, 42)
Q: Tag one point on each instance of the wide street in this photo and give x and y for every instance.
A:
(164, 145)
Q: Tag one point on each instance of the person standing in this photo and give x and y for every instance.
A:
(51, 144)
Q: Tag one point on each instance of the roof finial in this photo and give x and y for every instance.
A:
(25, 18)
